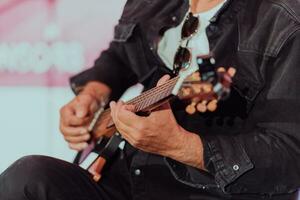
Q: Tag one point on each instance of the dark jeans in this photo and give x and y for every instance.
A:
(45, 178)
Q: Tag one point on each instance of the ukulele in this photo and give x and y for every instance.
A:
(202, 87)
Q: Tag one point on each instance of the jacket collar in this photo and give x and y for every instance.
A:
(234, 5)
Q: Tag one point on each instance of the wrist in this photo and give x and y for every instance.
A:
(96, 89)
(189, 150)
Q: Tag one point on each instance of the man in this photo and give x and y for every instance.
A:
(248, 149)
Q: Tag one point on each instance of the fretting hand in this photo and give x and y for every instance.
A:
(158, 133)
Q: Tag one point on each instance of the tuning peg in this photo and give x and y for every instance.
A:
(231, 71)
(186, 92)
(197, 88)
(212, 105)
(196, 76)
(207, 88)
(221, 69)
(201, 107)
(190, 109)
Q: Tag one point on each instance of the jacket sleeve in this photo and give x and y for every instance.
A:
(265, 159)
(111, 68)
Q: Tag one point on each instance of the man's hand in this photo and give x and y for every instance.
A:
(159, 133)
(77, 114)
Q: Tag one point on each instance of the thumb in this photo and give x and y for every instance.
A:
(81, 110)
(163, 79)
(85, 105)
(93, 107)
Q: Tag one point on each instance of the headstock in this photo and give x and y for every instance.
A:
(206, 86)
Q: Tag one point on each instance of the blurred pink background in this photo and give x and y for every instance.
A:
(43, 42)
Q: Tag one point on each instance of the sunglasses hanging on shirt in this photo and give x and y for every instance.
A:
(183, 56)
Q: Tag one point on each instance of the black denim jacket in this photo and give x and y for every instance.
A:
(252, 142)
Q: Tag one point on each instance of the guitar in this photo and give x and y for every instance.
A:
(202, 87)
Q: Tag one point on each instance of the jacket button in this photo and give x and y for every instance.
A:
(137, 172)
(174, 18)
(236, 167)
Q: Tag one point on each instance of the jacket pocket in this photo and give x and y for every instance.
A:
(247, 89)
(123, 31)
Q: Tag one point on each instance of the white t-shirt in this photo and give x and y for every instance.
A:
(198, 44)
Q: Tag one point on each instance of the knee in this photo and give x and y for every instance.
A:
(27, 168)
(25, 172)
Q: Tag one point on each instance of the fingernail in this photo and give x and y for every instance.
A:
(112, 103)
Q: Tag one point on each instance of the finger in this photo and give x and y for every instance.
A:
(81, 110)
(127, 132)
(129, 118)
(68, 117)
(75, 121)
(93, 107)
(163, 79)
(78, 146)
(131, 135)
(115, 107)
(126, 121)
(112, 106)
(84, 104)
(73, 131)
(78, 139)
(130, 108)
(66, 112)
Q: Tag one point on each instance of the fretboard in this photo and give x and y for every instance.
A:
(143, 101)
(154, 95)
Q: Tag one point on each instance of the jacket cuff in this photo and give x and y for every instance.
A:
(78, 81)
(225, 160)
(189, 175)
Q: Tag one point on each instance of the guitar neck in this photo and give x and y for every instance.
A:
(146, 100)
(153, 96)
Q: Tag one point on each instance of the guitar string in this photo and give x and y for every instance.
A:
(139, 99)
(153, 93)
(152, 96)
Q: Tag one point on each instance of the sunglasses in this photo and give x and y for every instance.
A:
(183, 56)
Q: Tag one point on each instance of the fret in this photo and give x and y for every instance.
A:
(148, 97)
(153, 95)
(158, 94)
(146, 102)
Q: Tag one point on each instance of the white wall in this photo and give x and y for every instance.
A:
(29, 119)
(29, 122)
